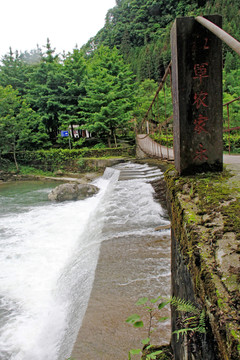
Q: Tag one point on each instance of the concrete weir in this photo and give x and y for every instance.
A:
(134, 262)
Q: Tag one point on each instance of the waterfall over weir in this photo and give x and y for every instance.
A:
(49, 253)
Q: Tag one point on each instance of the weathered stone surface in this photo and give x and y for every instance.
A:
(205, 261)
(72, 191)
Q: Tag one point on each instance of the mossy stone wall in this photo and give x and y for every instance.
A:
(204, 271)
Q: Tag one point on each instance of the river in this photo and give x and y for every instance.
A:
(49, 253)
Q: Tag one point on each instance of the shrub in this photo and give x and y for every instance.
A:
(234, 142)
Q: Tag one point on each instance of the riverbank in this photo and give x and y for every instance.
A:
(91, 169)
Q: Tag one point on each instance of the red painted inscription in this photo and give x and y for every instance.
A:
(201, 153)
(199, 99)
(200, 71)
(200, 124)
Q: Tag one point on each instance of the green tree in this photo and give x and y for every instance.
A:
(18, 123)
(107, 106)
(144, 95)
(143, 27)
(231, 91)
(14, 71)
(47, 86)
(74, 72)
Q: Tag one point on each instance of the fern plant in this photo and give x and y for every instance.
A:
(193, 319)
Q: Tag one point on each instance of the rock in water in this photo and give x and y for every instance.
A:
(72, 191)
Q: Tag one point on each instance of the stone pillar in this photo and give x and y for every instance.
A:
(197, 96)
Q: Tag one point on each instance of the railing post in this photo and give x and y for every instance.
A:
(197, 96)
(147, 127)
(229, 142)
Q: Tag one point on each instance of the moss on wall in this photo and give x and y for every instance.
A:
(205, 215)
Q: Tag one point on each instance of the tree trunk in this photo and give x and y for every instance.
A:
(14, 156)
(115, 139)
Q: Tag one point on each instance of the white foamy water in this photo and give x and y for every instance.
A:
(48, 256)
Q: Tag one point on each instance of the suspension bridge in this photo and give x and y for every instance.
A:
(155, 134)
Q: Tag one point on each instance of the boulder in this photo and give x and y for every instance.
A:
(72, 191)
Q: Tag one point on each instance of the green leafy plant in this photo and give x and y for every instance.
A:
(150, 356)
(153, 307)
(163, 139)
(234, 140)
(192, 320)
(100, 146)
(81, 163)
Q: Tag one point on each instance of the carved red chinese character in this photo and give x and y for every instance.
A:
(200, 71)
(206, 46)
(201, 153)
(199, 99)
(200, 44)
(200, 124)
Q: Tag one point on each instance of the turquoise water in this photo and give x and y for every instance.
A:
(16, 197)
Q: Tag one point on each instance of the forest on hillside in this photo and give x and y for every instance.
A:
(140, 29)
(103, 86)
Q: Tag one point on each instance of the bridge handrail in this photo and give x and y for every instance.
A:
(228, 130)
(220, 33)
(230, 102)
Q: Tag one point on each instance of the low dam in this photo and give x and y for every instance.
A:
(113, 249)
(96, 256)
(134, 262)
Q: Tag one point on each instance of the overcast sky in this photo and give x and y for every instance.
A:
(26, 23)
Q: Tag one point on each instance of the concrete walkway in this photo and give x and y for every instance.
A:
(231, 159)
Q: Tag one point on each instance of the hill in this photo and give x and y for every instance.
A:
(140, 29)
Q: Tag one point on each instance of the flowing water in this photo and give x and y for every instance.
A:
(49, 253)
